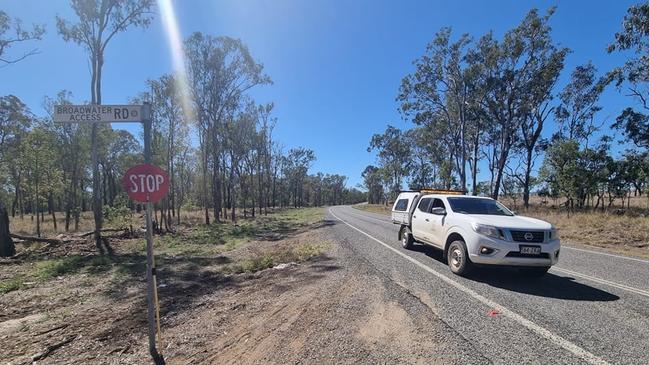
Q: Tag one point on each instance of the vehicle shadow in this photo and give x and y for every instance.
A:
(549, 286)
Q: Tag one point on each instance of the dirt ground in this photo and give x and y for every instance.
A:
(313, 303)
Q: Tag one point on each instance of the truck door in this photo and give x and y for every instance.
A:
(421, 220)
(436, 230)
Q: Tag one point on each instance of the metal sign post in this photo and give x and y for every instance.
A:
(153, 309)
(92, 114)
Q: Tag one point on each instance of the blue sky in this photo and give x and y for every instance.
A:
(336, 65)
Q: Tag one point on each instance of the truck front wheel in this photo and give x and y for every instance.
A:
(406, 238)
(458, 258)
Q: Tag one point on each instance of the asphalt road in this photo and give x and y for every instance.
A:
(592, 307)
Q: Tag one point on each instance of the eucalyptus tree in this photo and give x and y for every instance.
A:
(73, 147)
(165, 96)
(509, 69)
(99, 21)
(372, 183)
(42, 175)
(537, 108)
(424, 162)
(439, 95)
(296, 166)
(266, 124)
(15, 121)
(576, 112)
(220, 71)
(633, 76)
(394, 152)
(241, 135)
(13, 32)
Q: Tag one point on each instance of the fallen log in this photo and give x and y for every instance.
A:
(103, 230)
(54, 241)
(52, 348)
(52, 329)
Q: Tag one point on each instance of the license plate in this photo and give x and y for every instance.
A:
(531, 250)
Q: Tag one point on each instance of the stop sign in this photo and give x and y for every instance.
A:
(146, 183)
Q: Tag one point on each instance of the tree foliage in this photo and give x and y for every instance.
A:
(12, 32)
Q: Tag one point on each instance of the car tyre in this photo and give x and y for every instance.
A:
(458, 258)
(406, 239)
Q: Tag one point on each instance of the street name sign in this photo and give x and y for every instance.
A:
(97, 113)
(146, 183)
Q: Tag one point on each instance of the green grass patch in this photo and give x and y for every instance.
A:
(11, 285)
(49, 269)
(308, 251)
(217, 238)
(254, 264)
(301, 253)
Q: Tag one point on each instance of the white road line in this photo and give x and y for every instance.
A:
(556, 339)
(602, 281)
(606, 254)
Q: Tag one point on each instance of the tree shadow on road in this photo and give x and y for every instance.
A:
(549, 286)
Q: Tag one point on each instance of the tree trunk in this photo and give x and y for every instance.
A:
(96, 182)
(205, 205)
(526, 183)
(232, 207)
(7, 247)
(38, 218)
(502, 161)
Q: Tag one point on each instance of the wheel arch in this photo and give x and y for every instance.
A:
(453, 236)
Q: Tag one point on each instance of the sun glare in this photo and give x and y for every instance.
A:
(170, 24)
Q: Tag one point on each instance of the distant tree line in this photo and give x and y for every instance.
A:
(487, 101)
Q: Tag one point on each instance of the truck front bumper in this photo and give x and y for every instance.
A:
(507, 253)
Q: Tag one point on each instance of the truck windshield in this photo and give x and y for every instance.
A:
(478, 206)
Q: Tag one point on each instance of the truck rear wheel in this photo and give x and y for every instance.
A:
(458, 258)
(406, 238)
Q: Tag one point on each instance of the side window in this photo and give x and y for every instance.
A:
(424, 204)
(438, 203)
(402, 205)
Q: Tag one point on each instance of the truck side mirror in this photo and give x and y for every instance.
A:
(438, 211)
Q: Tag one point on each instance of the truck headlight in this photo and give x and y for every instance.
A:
(554, 234)
(489, 231)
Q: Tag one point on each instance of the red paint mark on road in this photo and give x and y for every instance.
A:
(493, 313)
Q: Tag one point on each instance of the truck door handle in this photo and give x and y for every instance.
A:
(414, 216)
(427, 220)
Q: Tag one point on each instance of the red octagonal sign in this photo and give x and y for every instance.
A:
(146, 183)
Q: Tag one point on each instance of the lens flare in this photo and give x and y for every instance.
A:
(170, 24)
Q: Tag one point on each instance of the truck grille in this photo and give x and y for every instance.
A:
(537, 236)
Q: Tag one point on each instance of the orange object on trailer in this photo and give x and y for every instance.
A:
(443, 191)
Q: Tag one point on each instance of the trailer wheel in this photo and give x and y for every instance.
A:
(406, 238)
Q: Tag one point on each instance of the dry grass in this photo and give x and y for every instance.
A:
(626, 234)
(374, 208)
(27, 225)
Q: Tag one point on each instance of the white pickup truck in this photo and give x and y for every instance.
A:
(475, 230)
